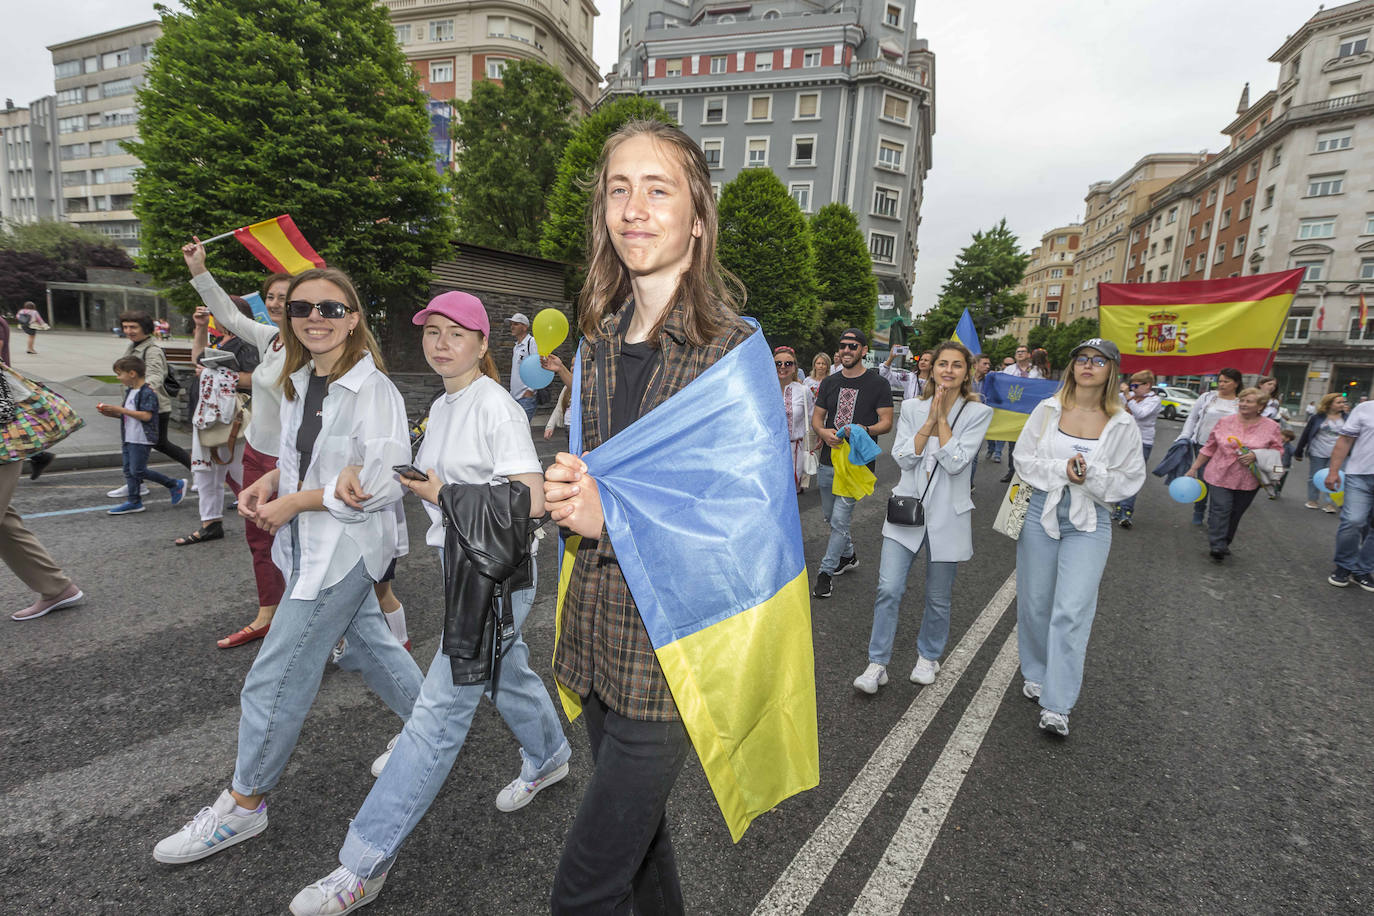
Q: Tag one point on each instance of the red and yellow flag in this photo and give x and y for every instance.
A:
(279, 245)
(1197, 327)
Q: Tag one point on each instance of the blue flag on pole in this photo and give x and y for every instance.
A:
(967, 334)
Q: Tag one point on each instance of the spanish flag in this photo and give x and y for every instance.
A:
(701, 508)
(279, 245)
(1197, 327)
(1012, 399)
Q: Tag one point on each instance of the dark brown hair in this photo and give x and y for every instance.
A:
(966, 386)
(267, 284)
(142, 319)
(131, 364)
(359, 342)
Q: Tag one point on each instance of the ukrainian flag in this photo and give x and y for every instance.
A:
(966, 334)
(1012, 399)
(701, 508)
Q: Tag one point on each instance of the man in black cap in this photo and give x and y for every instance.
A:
(856, 395)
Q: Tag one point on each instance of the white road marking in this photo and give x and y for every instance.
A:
(891, 882)
(803, 877)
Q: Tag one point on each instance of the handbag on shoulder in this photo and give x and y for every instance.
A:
(908, 510)
(34, 423)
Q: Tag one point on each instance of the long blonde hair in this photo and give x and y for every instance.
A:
(965, 387)
(359, 341)
(1110, 400)
(704, 287)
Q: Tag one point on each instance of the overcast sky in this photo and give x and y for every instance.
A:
(1033, 101)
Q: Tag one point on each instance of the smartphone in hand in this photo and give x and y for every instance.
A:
(410, 472)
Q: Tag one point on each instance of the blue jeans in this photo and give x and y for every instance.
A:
(837, 511)
(1127, 505)
(1354, 546)
(433, 736)
(1315, 464)
(995, 447)
(285, 677)
(528, 404)
(1056, 599)
(893, 567)
(136, 470)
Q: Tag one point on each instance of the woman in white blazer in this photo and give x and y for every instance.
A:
(938, 436)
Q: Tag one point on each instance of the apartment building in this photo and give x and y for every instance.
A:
(454, 45)
(28, 162)
(1049, 278)
(838, 101)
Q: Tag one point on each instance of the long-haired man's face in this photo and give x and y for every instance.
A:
(649, 211)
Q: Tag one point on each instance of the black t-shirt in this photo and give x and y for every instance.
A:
(311, 417)
(852, 400)
(637, 363)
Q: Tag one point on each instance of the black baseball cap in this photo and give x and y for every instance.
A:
(855, 334)
(1105, 347)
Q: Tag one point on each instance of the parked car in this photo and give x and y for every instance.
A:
(1177, 402)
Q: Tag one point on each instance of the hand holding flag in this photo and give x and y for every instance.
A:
(278, 244)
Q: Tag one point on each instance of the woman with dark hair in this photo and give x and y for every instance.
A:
(1317, 440)
(1229, 458)
(1206, 412)
(339, 410)
(1272, 409)
(1040, 359)
(938, 436)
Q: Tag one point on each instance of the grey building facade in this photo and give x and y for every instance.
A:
(837, 99)
(28, 162)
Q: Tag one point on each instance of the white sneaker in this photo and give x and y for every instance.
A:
(520, 793)
(1054, 722)
(213, 829)
(1031, 690)
(874, 676)
(380, 763)
(925, 670)
(121, 492)
(340, 891)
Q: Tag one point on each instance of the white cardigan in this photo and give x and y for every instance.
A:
(947, 506)
(1116, 467)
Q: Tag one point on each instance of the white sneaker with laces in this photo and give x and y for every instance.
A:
(380, 763)
(925, 670)
(1031, 690)
(520, 793)
(211, 830)
(121, 492)
(337, 892)
(1054, 722)
(874, 676)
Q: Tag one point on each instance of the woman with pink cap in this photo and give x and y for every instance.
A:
(477, 434)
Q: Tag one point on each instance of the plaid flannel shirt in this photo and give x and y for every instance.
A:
(603, 645)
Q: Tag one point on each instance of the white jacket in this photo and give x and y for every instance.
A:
(1116, 467)
(947, 506)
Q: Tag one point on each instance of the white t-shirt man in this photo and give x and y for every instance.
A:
(1360, 427)
(523, 347)
(1029, 372)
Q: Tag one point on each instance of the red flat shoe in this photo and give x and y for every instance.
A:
(246, 635)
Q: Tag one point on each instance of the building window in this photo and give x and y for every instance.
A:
(625, 39)
(892, 16)
(1163, 273)
(1269, 197)
(763, 61)
(760, 108)
(1219, 254)
(1367, 268)
(1246, 207)
(1135, 236)
(1261, 236)
(116, 87)
(804, 151)
(715, 190)
(719, 63)
(891, 154)
(1150, 275)
(886, 201)
(1187, 266)
(1056, 289)
(441, 71)
(1352, 45)
(1211, 197)
(811, 58)
(1313, 270)
(1231, 183)
(1173, 215)
(441, 30)
(1323, 227)
(771, 15)
(1297, 329)
(1276, 156)
(496, 68)
(75, 151)
(1168, 244)
(1357, 332)
(881, 246)
(675, 66)
(71, 97)
(896, 108)
(713, 150)
(1225, 219)
(402, 33)
(757, 155)
(71, 125)
(1238, 248)
(808, 106)
(67, 68)
(73, 179)
(1197, 205)
(1192, 236)
(1369, 224)
(111, 59)
(1333, 140)
(714, 112)
(1252, 171)
(673, 107)
(1325, 185)
(801, 193)
(1056, 273)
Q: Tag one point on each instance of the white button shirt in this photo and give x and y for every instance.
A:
(518, 353)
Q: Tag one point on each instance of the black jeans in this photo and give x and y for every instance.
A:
(1223, 517)
(618, 851)
(170, 449)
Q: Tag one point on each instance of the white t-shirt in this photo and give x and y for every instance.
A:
(133, 428)
(1360, 427)
(1031, 372)
(477, 435)
(518, 353)
(1065, 446)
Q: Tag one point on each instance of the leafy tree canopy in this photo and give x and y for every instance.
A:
(35, 254)
(254, 108)
(1001, 348)
(982, 280)
(1067, 336)
(844, 274)
(1038, 335)
(510, 138)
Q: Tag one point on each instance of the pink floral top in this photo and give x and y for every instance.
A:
(1223, 466)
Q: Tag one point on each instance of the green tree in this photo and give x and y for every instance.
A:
(254, 108)
(765, 243)
(35, 254)
(1068, 336)
(1039, 335)
(844, 274)
(1002, 347)
(564, 233)
(510, 137)
(982, 280)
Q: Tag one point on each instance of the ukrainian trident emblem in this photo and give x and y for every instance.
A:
(1163, 333)
(1015, 392)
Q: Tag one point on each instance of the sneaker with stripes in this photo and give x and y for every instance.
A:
(214, 828)
(340, 891)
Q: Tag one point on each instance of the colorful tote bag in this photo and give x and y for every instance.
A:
(35, 422)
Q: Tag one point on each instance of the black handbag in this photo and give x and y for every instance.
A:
(908, 510)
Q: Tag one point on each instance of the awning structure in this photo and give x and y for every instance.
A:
(100, 301)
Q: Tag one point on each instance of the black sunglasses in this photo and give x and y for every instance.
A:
(783, 365)
(328, 308)
(850, 346)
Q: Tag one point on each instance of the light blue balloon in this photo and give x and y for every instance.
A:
(534, 375)
(1185, 489)
(1319, 481)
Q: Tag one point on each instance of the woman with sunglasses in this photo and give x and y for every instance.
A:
(338, 410)
(796, 404)
(1080, 453)
(1144, 404)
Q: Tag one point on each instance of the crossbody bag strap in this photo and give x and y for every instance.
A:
(930, 478)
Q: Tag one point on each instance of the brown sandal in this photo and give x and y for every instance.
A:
(211, 532)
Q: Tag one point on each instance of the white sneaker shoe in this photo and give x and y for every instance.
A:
(340, 891)
(1054, 722)
(380, 763)
(874, 676)
(520, 793)
(213, 829)
(925, 670)
(1030, 690)
(121, 492)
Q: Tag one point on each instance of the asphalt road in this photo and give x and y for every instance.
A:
(1219, 762)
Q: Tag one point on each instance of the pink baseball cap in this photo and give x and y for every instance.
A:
(463, 308)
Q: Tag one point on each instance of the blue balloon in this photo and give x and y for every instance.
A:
(1319, 481)
(534, 375)
(1185, 489)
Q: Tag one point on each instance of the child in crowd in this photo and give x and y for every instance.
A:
(1288, 437)
(138, 432)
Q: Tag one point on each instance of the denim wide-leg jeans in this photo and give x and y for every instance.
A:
(893, 568)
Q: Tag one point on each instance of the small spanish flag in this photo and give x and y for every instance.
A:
(279, 245)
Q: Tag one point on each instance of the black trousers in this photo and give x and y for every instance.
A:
(618, 854)
(1223, 518)
(170, 449)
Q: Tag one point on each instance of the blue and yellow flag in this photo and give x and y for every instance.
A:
(701, 508)
(1012, 399)
(966, 334)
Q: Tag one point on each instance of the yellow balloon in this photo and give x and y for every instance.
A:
(550, 330)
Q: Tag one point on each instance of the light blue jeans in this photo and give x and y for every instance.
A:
(1056, 599)
(1354, 546)
(1315, 464)
(433, 736)
(893, 567)
(837, 511)
(281, 685)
